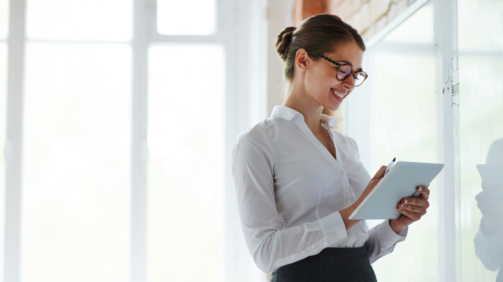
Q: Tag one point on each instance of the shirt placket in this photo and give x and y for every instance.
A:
(336, 163)
(346, 189)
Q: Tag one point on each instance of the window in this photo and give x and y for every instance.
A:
(428, 102)
(185, 167)
(481, 126)
(401, 123)
(119, 137)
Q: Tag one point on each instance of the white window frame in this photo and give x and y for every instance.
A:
(446, 40)
(241, 29)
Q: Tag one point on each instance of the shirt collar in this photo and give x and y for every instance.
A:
(289, 114)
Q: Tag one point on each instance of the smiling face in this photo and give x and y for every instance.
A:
(320, 80)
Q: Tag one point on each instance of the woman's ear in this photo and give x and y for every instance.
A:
(302, 60)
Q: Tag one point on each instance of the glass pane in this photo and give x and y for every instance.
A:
(480, 25)
(481, 139)
(186, 159)
(3, 128)
(481, 143)
(196, 17)
(4, 18)
(76, 163)
(403, 125)
(80, 20)
(417, 29)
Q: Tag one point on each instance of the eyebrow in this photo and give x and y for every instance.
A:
(346, 62)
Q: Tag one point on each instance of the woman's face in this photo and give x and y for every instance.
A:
(320, 77)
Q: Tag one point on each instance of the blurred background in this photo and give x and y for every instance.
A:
(118, 117)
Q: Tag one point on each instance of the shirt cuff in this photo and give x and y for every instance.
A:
(333, 228)
(388, 236)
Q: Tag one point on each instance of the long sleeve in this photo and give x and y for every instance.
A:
(269, 242)
(489, 243)
(382, 240)
(489, 247)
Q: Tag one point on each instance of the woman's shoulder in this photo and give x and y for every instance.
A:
(255, 142)
(258, 133)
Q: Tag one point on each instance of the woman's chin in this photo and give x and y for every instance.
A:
(333, 107)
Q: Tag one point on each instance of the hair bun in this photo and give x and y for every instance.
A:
(283, 41)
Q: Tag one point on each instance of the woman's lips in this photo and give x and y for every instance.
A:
(339, 99)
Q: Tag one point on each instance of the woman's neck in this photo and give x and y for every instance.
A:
(310, 109)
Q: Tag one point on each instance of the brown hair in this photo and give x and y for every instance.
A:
(317, 34)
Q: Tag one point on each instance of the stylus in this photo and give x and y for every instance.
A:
(391, 165)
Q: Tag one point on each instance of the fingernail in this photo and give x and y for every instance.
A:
(419, 188)
(405, 202)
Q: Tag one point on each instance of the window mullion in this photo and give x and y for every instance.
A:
(141, 30)
(444, 51)
(13, 150)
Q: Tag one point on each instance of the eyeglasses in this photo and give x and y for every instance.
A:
(344, 70)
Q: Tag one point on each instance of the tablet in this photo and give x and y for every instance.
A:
(400, 182)
(491, 174)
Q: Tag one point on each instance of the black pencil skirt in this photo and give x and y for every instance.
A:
(331, 264)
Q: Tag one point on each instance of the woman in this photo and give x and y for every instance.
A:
(298, 181)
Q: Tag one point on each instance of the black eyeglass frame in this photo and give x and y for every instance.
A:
(338, 65)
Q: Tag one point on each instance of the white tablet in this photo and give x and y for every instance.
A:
(400, 182)
(491, 174)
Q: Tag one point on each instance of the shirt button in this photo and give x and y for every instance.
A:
(346, 199)
(306, 252)
(336, 236)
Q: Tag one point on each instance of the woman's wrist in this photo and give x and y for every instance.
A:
(345, 213)
(395, 226)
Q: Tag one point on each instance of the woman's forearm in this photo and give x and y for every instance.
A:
(345, 213)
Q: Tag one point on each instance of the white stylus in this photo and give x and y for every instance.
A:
(391, 165)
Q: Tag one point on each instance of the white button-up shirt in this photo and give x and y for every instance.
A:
(290, 190)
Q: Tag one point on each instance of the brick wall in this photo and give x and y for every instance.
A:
(366, 16)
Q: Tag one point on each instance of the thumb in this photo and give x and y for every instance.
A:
(380, 173)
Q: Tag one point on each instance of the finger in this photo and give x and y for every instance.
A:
(490, 203)
(415, 202)
(424, 191)
(411, 215)
(491, 210)
(414, 209)
(380, 173)
(490, 194)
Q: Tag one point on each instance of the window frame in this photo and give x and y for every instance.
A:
(444, 50)
(245, 94)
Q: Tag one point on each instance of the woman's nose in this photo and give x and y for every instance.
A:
(349, 82)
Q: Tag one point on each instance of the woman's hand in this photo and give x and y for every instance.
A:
(411, 209)
(489, 202)
(372, 184)
(345, 213)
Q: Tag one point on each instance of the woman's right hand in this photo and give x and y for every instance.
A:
(372, 184)
(489, 202)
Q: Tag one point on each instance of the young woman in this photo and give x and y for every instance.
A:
(298, 181)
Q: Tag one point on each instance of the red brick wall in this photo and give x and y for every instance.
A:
(366, 16)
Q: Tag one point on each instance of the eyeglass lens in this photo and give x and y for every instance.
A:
(345, 70)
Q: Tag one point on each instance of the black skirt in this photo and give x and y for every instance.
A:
(331, 264)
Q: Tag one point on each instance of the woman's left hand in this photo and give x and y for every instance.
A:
(411, 209)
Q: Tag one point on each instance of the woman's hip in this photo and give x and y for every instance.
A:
(331, 264)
